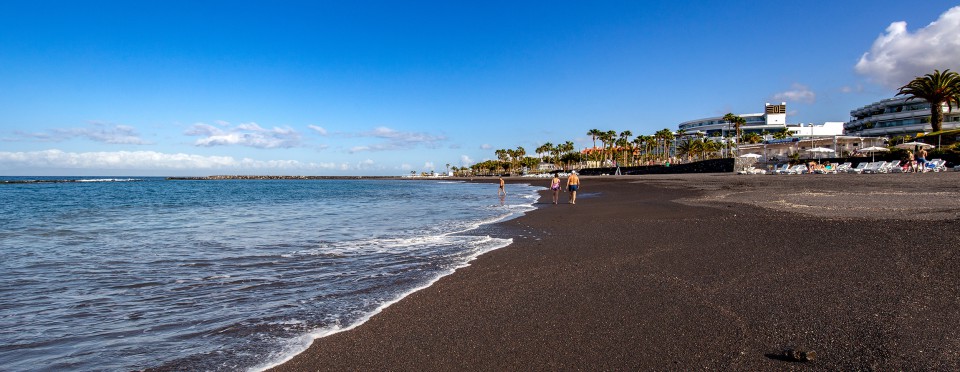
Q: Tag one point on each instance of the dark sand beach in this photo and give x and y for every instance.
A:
(688, 272)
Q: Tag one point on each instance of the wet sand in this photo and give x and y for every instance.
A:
(685, 272)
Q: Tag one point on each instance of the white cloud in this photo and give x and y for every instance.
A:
(320, 130)
(366, 164)
(428, 165)
(854, 89)
(797, 93)
(485, 146)
(145, 160)
(397, 140)
(405, 167)
(245, 134)
(898, 55)
(96, 131)
(465, 161)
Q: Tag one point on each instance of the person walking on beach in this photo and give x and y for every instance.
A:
(922, 160)
(501, 191)
(555, 187)
(573, 184)
(912, 164)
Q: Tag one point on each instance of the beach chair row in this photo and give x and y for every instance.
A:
(895, 166)
(935, 165)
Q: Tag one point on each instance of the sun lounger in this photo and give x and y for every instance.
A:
(789, 170)
(780, 169)
(859, 168)
(797, 169)
(844, 167)
(889, 167)
(937, 165)
(874, 167)
(751, 170)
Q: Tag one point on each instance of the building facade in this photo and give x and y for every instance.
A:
(773, 119)
(897, 117)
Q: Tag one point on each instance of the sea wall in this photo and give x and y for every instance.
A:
(706, 166)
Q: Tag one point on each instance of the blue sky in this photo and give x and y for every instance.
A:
(383, 88)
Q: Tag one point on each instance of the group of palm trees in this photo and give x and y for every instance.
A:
(619, 148)
(513, 160)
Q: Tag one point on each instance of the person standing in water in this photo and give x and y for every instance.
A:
(573, 184)
(501, 191)
(555, 187)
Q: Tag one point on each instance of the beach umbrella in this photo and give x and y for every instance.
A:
(751, 156)
(873, 150)
(912, 145)
(819, 150)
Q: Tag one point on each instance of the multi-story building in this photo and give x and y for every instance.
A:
(773, 119)
(897, 116)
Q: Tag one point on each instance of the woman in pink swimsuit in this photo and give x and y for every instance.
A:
(555, 187)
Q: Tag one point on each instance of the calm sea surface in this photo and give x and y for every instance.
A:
(121, 274)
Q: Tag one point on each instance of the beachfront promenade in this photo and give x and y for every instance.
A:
(685, 272)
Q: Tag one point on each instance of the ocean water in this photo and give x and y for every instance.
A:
(135, 273)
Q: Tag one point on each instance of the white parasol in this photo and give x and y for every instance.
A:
(819, 150)
(872, 150)
(913, 145)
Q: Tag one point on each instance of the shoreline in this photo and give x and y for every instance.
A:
(700, 271)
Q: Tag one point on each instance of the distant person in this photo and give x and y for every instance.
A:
(555, 187)
(501, 191)
(922, 160)
(911, 162)
(573, 184)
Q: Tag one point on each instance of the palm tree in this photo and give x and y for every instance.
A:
(555, 152)
(668, 138)
(594, 134)
(783, 133)
(623, 142)
(564, 148)
(752, 137)
(544, 149)
(936, 88)
(737, 122)
(688, 148)
(605, 137)
(611, 136)
(712, 147)
(649, 143)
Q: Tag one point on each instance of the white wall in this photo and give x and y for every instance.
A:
(780, 119)
(830, 128)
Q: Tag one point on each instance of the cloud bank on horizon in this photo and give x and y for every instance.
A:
(898, 55)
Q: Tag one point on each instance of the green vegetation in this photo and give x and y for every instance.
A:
(620, 148)
(737, 122)
(936, 88)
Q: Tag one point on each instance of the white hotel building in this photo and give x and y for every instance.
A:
(897, 117)
(773, 119)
